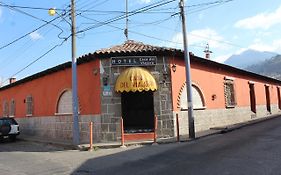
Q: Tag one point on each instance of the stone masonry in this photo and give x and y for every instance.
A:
(111, 101)
(211, 118)
(59, 128)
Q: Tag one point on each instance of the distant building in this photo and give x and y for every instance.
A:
(137, 81)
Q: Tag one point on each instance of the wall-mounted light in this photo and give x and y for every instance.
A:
(105, 79)
(214, 96)
(174, 67)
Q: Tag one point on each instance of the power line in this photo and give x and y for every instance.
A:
(107, 22)
(105, 11)
(93, 5)
(27, 7)
(213, 4)
(144, 9)
(35, 17)
(148, 36)
(25, 35)
(137, 11)
(209, 3)
(99, 23)
(37, 59)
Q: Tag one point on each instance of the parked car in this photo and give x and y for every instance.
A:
(9, 128)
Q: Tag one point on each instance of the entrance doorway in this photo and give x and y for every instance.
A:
(267, 96)
(253, 98)
(138, 111)
(278, 97)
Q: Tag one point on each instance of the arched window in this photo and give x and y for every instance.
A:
(5, 108)
(64, 105)
(197, 97)
(12, 108)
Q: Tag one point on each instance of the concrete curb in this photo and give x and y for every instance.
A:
(233, 127)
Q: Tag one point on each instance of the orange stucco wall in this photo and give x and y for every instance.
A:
(46, 91)
(211, 82)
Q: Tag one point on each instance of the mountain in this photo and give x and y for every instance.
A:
(269, 67)
(248, 58)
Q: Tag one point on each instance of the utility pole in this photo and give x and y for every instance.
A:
(75, 130)
(188, 77)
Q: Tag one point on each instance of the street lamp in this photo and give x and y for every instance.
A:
(75, 130)
(52, 11)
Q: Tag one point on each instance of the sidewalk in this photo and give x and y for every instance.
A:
(183, 138)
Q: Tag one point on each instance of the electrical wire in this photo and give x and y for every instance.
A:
(42, 20)
(105, 11)
(144, 9)
(27, 34)
(213, 4)
(208, 3)
(27, 7)
(148, 36)
(137, 11)
(40, 57)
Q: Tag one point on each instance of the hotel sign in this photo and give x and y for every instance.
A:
(134, 61)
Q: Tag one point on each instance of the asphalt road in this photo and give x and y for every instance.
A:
(254, 149)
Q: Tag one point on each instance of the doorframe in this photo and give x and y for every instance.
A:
(152, 107)
(253, 97)
(278, 97)
(267, 97)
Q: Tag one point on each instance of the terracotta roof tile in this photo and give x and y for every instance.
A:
(133, 46)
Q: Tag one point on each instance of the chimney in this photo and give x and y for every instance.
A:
(12, 80)
(207, 52)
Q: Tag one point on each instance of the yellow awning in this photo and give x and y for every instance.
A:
(135, 79)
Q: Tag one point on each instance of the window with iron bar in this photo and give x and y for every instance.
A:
(29, 105)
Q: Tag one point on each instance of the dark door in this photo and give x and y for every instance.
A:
(279, 98)
(253, 98)
(138, 111)
(267, 96)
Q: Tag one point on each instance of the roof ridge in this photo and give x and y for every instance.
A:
(132, 46)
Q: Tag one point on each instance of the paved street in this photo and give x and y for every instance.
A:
(253, 149)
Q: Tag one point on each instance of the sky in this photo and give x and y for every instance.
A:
(228, 26)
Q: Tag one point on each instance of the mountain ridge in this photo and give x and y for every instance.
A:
(270, 67)
(249, 57)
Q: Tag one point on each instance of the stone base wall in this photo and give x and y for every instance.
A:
(107, 126)
(206, 119)
(59, 128)
(110, 128)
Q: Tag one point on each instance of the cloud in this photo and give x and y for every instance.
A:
(275, 46)
(35, 36)
(262, 20)
(204, 36)
(0, 12)
(200, 38)
(222, 58)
